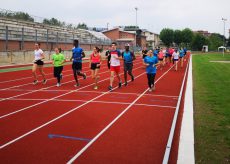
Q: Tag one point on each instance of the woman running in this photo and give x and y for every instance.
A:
(94, 64)
(77, 56)
(58, 60)
(175, 58)
(161, 59)
(150, 62)
(181, 51)
(38, 63)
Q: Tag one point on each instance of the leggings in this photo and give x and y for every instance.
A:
(151, 78)
(57, 73)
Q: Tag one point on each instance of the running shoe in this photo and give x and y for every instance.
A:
(44, 81)
(119, 85)
(84, 76)
(126, 83)
(95, 87)
(132, 78)
(150, 90)
(77, 85)
(110, 88)
(58, 84)
(35, 82)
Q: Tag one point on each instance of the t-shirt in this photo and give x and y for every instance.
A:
(151, 61)
(175, 55)
(128, 56)
(38, 54)
(161, 55)
(77, 54)
(155, 53)
(181, 53)
(58, 59)
(113, 60)
(95, 58)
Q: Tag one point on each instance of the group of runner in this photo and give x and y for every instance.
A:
(151, 59)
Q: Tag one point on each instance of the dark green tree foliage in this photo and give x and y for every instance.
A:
(228, 43)
(53, 22)
(82, 26)
(17, 15)
(166, 36)
(178, 37)
(198, 41)
(187, 36)
(215, 41)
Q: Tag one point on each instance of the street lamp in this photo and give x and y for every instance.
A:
(224, 20)
(136, 28)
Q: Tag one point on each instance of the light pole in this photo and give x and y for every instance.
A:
(224, 20)
(136, 28)
(107, 26)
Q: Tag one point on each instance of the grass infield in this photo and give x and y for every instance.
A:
(211, 108)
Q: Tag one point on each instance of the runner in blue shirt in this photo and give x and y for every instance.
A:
(77, 55)
(181, 51)
(151, 62)
(128, 58)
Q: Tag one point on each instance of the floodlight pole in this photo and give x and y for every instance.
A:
(224, 20)
(136, 28)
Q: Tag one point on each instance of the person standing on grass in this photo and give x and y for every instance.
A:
(38, 63)
(94, 64)
(58, 60)
(175, 58)
(77, 55)
(115, 65)
(181, 52)
(151, 62)
(128, 58)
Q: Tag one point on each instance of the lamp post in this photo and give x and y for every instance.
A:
(224, 20)
(136, 28)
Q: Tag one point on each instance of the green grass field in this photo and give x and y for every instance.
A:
(211, 108)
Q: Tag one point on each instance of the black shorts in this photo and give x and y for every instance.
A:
(128, 66)
(57, 71)
(94, 66)
(77, 66)
(175, 59)
(160, 59)
(39, 62)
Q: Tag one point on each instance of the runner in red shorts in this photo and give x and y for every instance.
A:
(115, 65)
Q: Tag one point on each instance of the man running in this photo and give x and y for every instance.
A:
(115, 65)
(77, 55)
(128, 57)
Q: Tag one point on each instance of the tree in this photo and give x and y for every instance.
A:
(17, 15)
(166, 36)
(53, 22)
(187, 36)
(82, 26)
(198, 41)
(215, 41)
(177, 37)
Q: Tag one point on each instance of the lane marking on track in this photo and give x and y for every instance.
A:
(9, 114)
(111, 123)
(51, 136)
(105, 102)
(57, 118)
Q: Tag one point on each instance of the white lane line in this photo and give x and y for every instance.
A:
(105, 102)
(172, 130)
(6, 115)
(111, 123)
(57, 118)
(186, 144)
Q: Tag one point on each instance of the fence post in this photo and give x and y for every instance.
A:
(7, 37)
(47, 39)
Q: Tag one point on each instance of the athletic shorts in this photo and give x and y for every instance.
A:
(39, 62)
(128, 66)
(160, 59)
(181, 57)
(175, 59)
(94, 66)
(77, 66)
(115, 68)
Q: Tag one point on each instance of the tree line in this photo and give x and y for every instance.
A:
(194, 41)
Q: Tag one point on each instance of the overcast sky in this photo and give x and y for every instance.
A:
(153, 15)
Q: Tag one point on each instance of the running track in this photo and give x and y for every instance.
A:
(46, 124)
